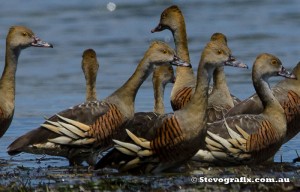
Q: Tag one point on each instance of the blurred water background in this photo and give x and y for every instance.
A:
(50, 80)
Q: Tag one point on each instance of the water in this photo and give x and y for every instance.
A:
(50, 80)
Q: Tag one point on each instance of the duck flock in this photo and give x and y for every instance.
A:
(208, 123)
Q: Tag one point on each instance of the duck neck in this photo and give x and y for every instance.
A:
(7, 81)
(91, 94)
(159, 89)
(124, 97)
(220, 85)
(194, 112)
(183, 74)
(199, 99)
(180, 39)
(264, 92)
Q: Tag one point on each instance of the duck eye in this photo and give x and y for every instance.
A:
(165, 51)
(24, 34)
(220, 52)
(273, 62)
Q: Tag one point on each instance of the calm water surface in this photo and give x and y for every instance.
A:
(50, 80)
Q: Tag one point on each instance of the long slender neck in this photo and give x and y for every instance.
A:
(220, 84)
(159, 89)
(264, 92)
(7, 81)
(199, 99)
(91, 94)
(219, 78)
(194, 112)
(125, 95)
(273, 111)
(180, 39)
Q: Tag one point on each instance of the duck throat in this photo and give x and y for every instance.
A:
(265, 94)
(194, 113)
(184, 75)
(220, 85)
(7, 81)
(159, 89)
(180, 39)
(273, 111)
(125, 95)
(91, 94)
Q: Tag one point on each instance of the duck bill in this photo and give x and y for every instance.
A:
(178, 62)
(158, 28)
(284, 73)
(39, 43)
(235, 63)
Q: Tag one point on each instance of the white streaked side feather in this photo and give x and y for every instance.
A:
(224, 156)
(78, 124)
(53, 123)
(245, 156)
(242, 132)
(68, 133)
(145, 144)
(203, 155)
(232, 133)
(47, 145)
(61, 140)
(124, 150)
(242, 141)
(213, 143)
(122, 162)
(71, 135)
(145, 153)
(85, 141)
(212, 148)
(236, 144)
(219, 139)
(51, 128)
(142, 139)
(234, 150)
(73, 129)
(131, 164)
(129, 146)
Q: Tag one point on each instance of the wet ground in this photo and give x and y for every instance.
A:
(192, 177)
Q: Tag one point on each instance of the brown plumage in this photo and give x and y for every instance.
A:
(182, 97)
(143, 121)
(90, 66)
(18, 38)
(174, 138)
(162, 75)
(287, 92)
(250, 139)
(80, 132)
(173, 19)
(220, 101)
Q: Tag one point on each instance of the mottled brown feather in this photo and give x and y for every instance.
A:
(264, 137)
(289, 100)
(106, 126)
(182, 98)
(216, 113)
(167, 138)
(291, 108)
